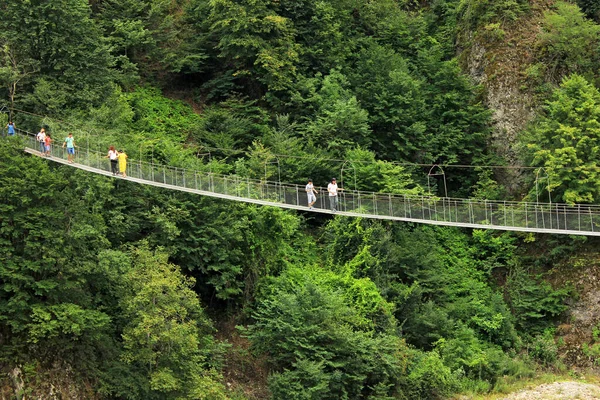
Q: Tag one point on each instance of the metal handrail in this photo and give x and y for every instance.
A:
(504, 215)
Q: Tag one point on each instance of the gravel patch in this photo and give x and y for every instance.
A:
(558, 391)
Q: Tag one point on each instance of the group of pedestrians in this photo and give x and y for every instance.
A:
(118, 159)
(332, 190)
(45, 142)
(118, 164)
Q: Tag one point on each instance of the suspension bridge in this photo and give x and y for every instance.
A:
(533, 217)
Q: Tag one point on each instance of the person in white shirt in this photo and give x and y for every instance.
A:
(113, 156)
(41, 138)
(332, 188)
(311, 194)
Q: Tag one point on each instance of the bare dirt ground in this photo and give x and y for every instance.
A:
(558, 391)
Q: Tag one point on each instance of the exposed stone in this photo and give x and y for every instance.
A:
(558, 391)
(500, 67)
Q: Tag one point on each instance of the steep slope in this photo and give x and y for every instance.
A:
(577, 337)
(498, 56)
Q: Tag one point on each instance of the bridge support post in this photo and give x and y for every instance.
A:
(374, 204)
(485, 207)
(471, 213)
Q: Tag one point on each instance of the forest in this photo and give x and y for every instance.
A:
(114, 290)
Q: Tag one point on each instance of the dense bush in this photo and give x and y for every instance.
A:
(565, 141)
(109, 276)
(333, 331)
(568, 42)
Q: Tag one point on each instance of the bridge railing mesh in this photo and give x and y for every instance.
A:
(582, 219)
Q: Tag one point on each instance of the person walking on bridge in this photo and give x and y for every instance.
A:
(122, 163)
(11, 128)
(113, 156)
(311, 194)
(47, 144)
(332, 188)
(41, 138)
(70, 143)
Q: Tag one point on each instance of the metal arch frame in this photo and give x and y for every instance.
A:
(5, 109)
(278, 168)
(437, 174)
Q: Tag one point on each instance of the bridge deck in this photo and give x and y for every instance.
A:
(466, 213)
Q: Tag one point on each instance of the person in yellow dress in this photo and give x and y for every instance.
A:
(122, 157)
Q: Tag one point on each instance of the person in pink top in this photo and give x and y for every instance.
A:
(47, 144)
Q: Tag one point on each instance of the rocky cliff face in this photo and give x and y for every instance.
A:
(578, 337)
(498, 57)
(35, 382)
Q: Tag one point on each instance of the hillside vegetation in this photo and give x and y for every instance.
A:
(113, 290)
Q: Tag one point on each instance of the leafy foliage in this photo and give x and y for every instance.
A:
(106, 276)
(47, 254)
(534, 302)
(164, 336)
(60, 50)
(317, 328)
(377, 175)
(568, 42)
(565, 142)
(590, 8)
(255, 42)
(477, 12)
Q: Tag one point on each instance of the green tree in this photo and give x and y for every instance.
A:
(48, 242)
(473, 13)
(14, 71)
(364, 172)
(535, 303)
(420, 110)
(320, 33)
(568, 43)
(256, 43)
(340, 121)
(152, 36)
(566, 142)
(226, 246)
(60, 41)
(591, 8)
(323, 337)
(167, 337)
(394, 100)
(124, 24)
(425, 273)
